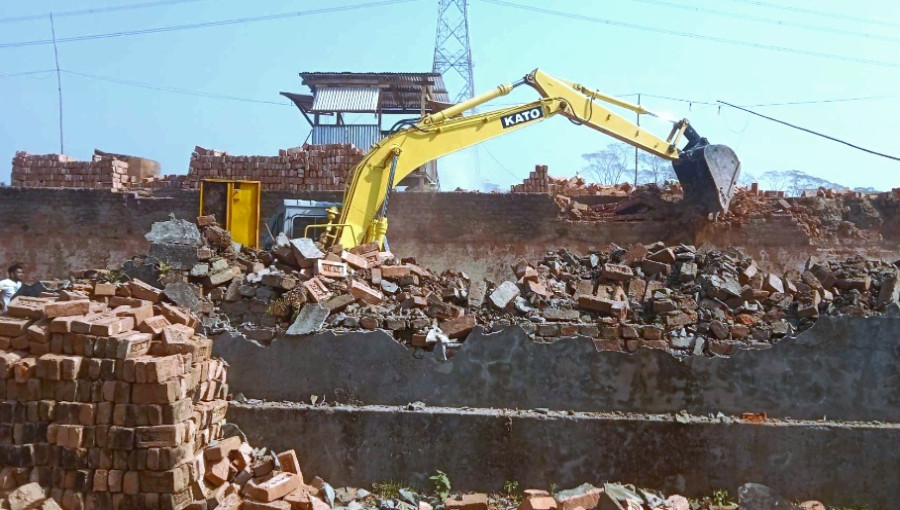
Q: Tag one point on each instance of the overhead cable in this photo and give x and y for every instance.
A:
(810, 131)
(735, 42)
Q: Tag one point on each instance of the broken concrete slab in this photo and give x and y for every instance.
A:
(310, 319)
(183, 295)
(174, 231)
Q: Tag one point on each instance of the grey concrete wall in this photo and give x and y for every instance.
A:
(842, 368)
(480, 449)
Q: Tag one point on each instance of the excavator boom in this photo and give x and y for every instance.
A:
(708, 172)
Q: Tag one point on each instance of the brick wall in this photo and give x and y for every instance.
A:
(104, 171)
(307, 168)
(56, 230)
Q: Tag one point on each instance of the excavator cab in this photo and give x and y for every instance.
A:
(708, 173)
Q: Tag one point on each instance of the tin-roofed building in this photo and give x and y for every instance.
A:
(338, 99)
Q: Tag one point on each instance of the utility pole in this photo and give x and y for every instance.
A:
(638, 115)
(58, 85)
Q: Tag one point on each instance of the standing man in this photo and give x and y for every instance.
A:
(11, 285)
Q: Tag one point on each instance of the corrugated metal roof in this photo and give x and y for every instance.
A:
(399, 91)
(345, 99)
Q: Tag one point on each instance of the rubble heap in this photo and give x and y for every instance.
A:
(307, 168)
(677, 298)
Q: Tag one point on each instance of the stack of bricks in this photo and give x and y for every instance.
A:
(307, 168)
(107, 396)
(537, 182)
(61, 171)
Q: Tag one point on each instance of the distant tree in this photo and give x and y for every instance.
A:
(654, 169)
(746, 178)
(794, 182)
(608, 165)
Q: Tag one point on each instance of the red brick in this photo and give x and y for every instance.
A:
(13, 326)
(317, 290)
(217, 472)
(39, 332)
(161, 393)
(221, 449)
(66, 308)
(63, 324)
(154, 325)
(584, 496)
(477, 501)
(29, 307)
(459, 327)
(274, 488)
(394, 272)
(104, 289)
(330, 269)
(289, 463)
(110, 326)
(354, 260)
(538, 503)
(176, 315)
(141, 290)
(366, 294)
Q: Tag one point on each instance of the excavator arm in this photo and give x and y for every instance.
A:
(363, 216)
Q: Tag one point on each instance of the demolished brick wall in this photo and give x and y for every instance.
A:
(539, 181)
(307, 168)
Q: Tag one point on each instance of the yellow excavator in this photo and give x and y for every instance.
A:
(708, 173)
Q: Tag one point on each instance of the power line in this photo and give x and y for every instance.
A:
(26, 73)
(207, 24)
(96, 10)
(817, 13)
(58, 84)
(774, 21)
(174, 90)
(735, 42)
(810, 131)
(842, 100)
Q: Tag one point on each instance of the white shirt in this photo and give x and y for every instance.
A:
(8, 289)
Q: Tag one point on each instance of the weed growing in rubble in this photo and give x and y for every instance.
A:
(441, 483)
(719, 498)
(511, 489)
(387, 489)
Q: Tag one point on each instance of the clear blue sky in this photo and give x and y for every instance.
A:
(257, 60)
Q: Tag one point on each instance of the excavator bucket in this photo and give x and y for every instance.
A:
(708, 175)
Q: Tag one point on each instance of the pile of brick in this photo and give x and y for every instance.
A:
(61, 171)
(667, 297)
(539, 181)
(307, 168)
(107, 395)
(114, 172)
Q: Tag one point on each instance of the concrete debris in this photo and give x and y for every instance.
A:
(174, 231)
(754, 496)
(310, 319)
